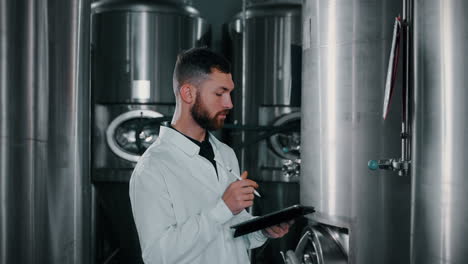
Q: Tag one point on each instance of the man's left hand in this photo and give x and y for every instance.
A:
(277, 231)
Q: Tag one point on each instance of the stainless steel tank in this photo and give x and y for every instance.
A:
(266, 56)
(365, 215)
(267, 81)
(44, 124)
(135, 45)
(134, 50)
(251, 3)
(439, 189)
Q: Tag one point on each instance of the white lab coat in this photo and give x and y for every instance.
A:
(177, 205)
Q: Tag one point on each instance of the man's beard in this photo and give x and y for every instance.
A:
(202, 117)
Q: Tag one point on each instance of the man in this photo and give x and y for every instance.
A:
(184, 192)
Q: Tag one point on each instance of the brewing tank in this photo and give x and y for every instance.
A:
(346, 45)
(135, 45)
(44, 126)
(266, 58)
(266, 48)
(439, 188)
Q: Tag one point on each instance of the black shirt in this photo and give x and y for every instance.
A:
(206, 150)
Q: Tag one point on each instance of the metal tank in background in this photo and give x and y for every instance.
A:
(439, 188)
(257, 3)
(134, 50)
(266, 57)
(362, 216)
(45, 191)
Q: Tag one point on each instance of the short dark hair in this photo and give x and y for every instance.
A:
(195, 64)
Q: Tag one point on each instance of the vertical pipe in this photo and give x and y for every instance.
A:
(244, 83)
(406, 95)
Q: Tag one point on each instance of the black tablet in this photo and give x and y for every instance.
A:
(271, 219)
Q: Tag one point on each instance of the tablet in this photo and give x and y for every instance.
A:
(271, 219)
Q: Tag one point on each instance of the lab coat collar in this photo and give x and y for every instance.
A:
(179, 140)
(187, 146)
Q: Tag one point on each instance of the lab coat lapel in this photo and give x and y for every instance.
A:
(222, 164)
(222, 171)
(198, 170)
(204, 174)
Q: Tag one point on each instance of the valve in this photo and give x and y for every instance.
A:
(402, 166)
(291, 168)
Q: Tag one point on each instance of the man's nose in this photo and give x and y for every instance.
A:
(228, 103)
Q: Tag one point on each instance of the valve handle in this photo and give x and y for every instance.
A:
(373, 164)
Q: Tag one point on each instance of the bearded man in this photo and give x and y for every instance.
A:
(184, 191)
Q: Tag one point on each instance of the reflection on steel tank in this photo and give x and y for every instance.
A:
(134, 49)
(44, 128)
(362, 216)
(440, 184)
(265, 130)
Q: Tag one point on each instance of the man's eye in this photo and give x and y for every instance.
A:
(219, 94)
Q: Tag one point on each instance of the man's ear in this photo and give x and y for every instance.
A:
(187, 93)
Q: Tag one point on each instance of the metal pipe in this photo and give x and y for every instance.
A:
(406, 111)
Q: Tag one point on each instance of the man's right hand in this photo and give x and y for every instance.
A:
(240, 194)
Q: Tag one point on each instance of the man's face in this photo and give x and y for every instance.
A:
(213, 100)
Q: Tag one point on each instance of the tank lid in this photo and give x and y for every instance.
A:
(284, 9)
(251, 3)
(163, 6)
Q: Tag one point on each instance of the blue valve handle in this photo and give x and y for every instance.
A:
(373, 164)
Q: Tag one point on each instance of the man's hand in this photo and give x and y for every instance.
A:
(239, 194)
(277, 231)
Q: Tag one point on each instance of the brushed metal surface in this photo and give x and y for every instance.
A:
(251, 3)
(273, 34)
(69, 187)
(266, 68)
(139, 42)
(23, 146)
(439, 190)
(44, 180)
(24, 209)
(345, 50)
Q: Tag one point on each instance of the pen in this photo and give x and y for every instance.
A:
(240, 179)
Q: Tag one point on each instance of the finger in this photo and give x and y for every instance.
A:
(247, 190)
(281, 231)
(244, 175)
(285, 230)
(277, 229)
(248, 182)
(249, 197)
(271, 233)
(246, 197)
(284, 226)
